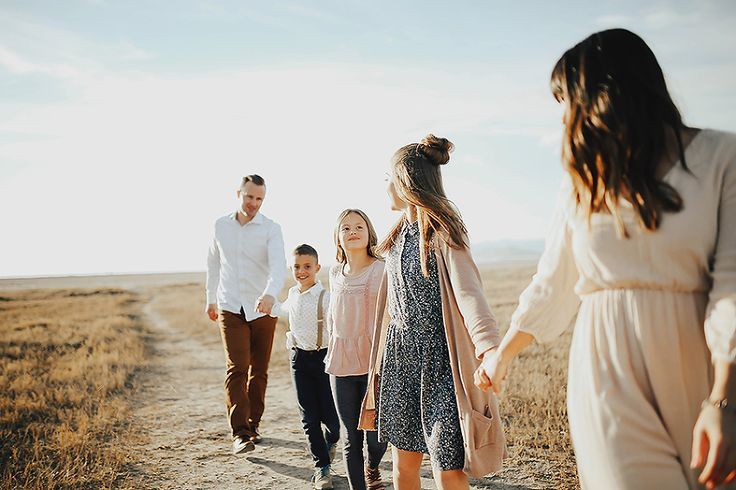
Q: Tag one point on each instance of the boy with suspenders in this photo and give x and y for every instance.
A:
(307, 341)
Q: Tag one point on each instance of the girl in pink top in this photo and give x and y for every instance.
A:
(354, 283)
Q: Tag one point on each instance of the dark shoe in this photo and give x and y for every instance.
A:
(242, 445)
(256, 437)
(322, 480)
(373, 479)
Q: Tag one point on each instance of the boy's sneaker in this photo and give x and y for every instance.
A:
(242, 445)
(332, 451)
(373, 479)
(322, 479)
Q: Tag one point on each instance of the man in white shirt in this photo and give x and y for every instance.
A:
(245, 272)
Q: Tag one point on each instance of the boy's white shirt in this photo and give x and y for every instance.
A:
(301, 309)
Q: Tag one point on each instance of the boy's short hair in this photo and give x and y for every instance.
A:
(305, 249)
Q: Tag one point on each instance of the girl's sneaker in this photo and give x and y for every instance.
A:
(322, 478)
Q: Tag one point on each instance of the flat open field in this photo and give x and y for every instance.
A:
(116, 382)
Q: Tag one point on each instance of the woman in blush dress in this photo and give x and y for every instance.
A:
(643, 249)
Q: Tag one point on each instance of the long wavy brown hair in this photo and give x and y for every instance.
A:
(618, 114)
(418, 181)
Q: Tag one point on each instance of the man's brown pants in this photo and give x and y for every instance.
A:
(247, 352)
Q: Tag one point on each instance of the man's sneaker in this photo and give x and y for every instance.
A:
(322, 479)
(242, 445)
(256, 437)
(332, 451)
(373, 479)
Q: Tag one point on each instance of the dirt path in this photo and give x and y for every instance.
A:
(186, 442)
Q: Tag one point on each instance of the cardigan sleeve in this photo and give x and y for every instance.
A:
(468, 291)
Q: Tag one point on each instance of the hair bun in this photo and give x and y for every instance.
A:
(436, 150)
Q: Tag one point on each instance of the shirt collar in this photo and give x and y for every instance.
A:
(257, 219)
(314, 290)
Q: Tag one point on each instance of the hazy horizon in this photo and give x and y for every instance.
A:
(489, 253)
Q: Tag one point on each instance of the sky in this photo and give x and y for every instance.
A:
(126, 126)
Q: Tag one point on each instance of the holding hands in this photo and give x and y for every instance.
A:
(265, 303)
(494, 366)
(714, 435)
(492, 371)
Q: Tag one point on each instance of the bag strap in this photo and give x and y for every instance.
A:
(320, 318)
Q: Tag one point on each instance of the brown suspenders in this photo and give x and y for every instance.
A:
(320, 319)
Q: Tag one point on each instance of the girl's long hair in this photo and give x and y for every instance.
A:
(617, 116)
(418, 181)
(372, 236)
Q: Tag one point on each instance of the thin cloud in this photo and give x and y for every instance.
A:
(311, 13)
(18, 65)
(659, 17)
(14, 63)
(665, 17)
(613, 20)
(130, 52)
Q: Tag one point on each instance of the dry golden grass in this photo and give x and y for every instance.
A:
(533, 403)
(67, 358)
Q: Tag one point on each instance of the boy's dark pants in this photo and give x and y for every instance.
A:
(316, 406)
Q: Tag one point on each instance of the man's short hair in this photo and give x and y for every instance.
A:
(255, 178)
(305, 249)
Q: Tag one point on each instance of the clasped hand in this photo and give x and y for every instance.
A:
(265, 303)
(492, 371)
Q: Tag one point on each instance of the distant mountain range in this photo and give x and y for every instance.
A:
(496, 251)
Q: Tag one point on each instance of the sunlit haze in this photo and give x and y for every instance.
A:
(125, 127)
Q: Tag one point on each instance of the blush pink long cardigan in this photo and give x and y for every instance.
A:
(470, 329)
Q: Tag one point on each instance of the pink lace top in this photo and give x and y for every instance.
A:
(350, 319)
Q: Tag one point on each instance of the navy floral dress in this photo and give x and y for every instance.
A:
(417, 408)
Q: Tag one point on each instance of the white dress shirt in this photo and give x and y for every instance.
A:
(245, 262)
(302, 311)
